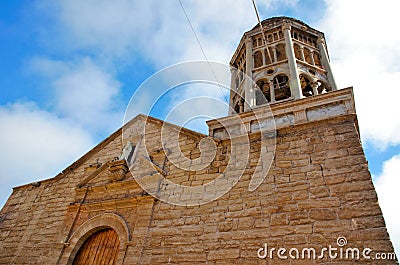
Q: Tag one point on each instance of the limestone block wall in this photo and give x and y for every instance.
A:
(318, 189)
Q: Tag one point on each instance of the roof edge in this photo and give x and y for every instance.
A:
(106, 141)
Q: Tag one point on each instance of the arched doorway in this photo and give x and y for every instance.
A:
(100, 248)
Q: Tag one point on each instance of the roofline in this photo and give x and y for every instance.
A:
(265, 21)
(106, 141)
(271, 19)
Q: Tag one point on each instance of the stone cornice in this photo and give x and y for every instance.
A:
(332, 104)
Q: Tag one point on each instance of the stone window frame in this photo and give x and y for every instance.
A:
(93, 225)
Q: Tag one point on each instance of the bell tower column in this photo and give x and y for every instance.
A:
(325, 63)
(233, 90)
(272, 91)
(295, 87)
(249, 93)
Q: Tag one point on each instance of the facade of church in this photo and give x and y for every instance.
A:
(300, 191)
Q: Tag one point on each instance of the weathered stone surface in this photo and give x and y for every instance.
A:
(307, 199)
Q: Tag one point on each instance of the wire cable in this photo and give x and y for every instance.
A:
(262, 30)
(202, 50)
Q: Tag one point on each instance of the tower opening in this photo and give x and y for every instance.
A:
(306, 87)
(264, 87)
(281, 87)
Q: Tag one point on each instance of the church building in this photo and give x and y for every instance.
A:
(288, 182)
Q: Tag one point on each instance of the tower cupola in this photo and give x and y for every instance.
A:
(288, 61)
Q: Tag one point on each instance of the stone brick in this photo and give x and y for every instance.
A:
(279, 219)
(223, 254)
(323, 214)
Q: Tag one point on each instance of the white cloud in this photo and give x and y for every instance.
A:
(156, 29)
(365, 50)
(191, 105)
(387, 185)
(82, 92)
(109, 25)
(173, 85)
(36, 145)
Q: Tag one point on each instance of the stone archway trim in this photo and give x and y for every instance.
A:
(91, 226)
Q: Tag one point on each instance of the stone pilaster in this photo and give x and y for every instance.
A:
(294, 74)
(232, 90)
(249, 91)
(326, 64)
(272, 91)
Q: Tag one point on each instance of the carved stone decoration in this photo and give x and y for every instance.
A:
(300, 116)
(349, 106)
(118, 170)
(127, 152)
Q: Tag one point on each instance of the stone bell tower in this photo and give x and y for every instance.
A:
(289, 60)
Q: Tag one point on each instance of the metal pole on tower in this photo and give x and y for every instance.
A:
(262, 30)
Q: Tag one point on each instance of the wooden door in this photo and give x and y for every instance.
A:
(100, 248)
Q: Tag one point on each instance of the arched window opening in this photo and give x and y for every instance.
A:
(314, 43)
(260, 99)
(237, 107)
(100, 248)
(323, 88)
(306, 86)
(280, 52)
(269, 60)
(238, 103)
(297, 52)
(281, 86)
(317, 59)
(258, 59)
(307, 56)
(264, 88)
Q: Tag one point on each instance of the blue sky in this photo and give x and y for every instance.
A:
(69, 68)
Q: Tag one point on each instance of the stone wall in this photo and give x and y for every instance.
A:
(318, 189)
